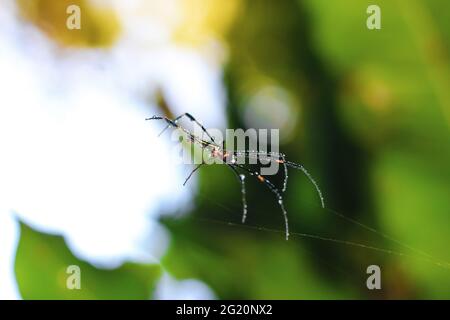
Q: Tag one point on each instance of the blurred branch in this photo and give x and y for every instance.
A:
(163, 105)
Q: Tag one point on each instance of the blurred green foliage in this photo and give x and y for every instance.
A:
(41, 266)
(373, 128)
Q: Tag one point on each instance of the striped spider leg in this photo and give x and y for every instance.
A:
(280, 158)
(192, 138)
(272, 188)
(266, 156)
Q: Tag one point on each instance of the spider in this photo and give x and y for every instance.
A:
(229, 158)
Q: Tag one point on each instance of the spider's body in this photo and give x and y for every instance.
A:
(229, 158)
(224, 156)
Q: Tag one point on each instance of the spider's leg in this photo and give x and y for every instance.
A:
(300, 167)
(192, 172)
(283, 161)
(170, 123)
(274, 189)
(190, 117)
(269, 156)
(154, 118)
(241, 178)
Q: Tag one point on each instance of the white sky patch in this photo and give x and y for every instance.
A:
(188, 289)
(78, 158)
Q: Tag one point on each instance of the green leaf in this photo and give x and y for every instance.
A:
(413, 200)
(41, 271)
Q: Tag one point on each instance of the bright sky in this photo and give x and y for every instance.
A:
(77, 156)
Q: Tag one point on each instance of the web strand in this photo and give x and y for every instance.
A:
(423, 256)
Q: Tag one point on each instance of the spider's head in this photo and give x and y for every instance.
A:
(215, 152)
